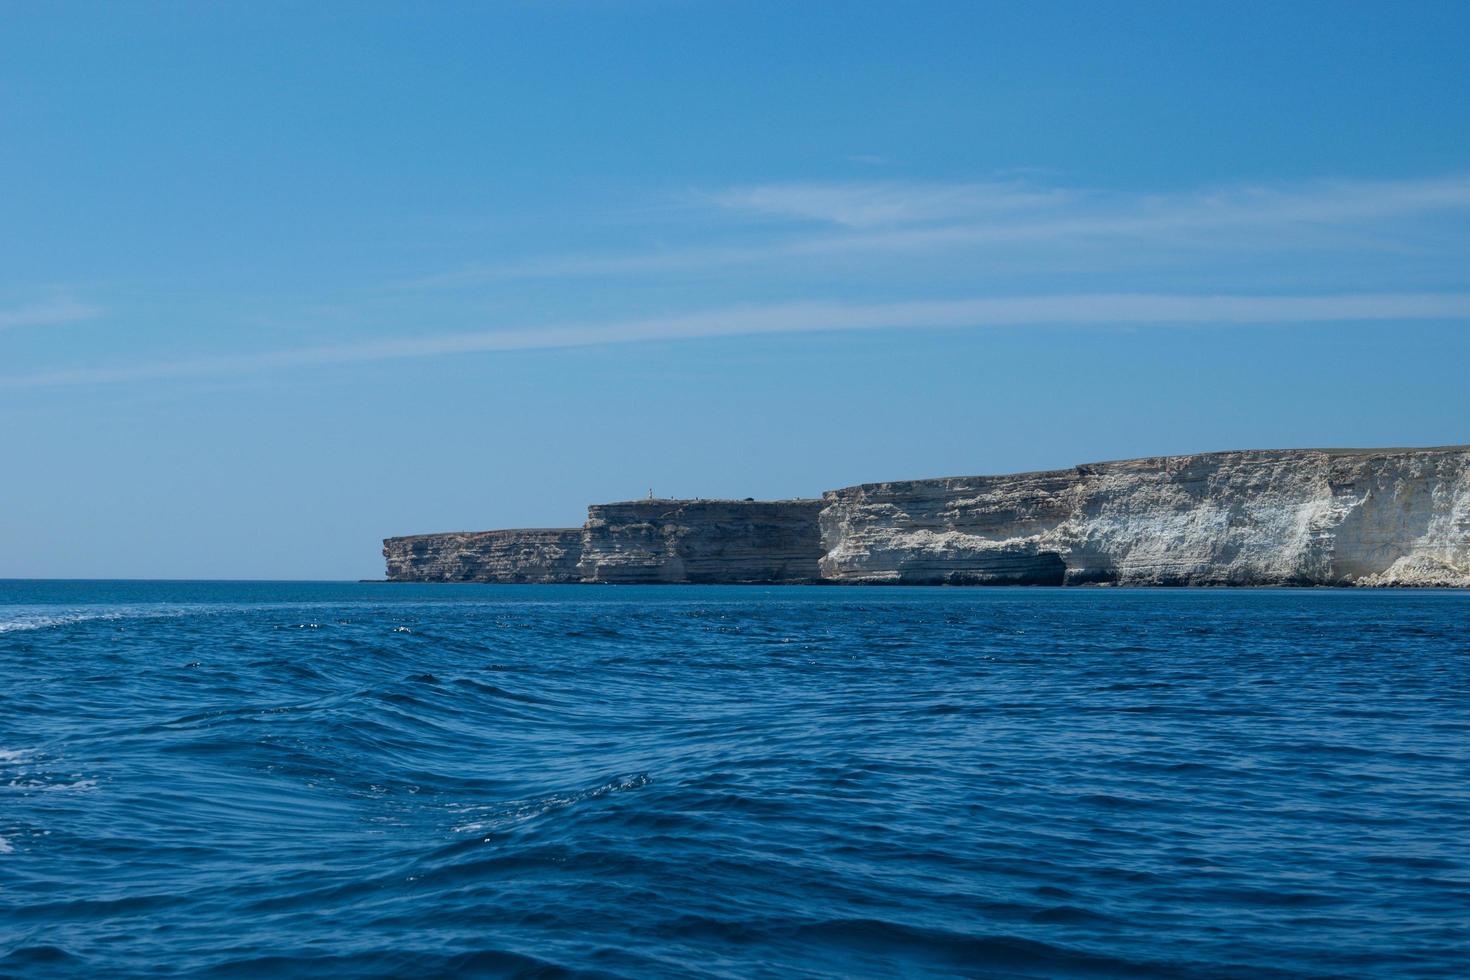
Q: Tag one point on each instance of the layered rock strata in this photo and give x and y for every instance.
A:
(1273, 517)
(548, 555)
(1289, 517)
(702, 541)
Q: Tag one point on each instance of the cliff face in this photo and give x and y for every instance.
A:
(1288, 517)
(702, 541)
(1291, 517)
(547, 555)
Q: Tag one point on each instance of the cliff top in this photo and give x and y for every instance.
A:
(1167, 460)
(734, 501)
(478, 534)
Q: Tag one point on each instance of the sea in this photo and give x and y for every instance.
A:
(373, 780)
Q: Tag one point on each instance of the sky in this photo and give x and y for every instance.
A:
(278, 280)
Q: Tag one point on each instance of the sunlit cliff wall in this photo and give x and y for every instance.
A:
(1276, 517)
(1265, 517)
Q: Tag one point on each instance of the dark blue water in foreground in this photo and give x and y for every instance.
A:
(345, 780)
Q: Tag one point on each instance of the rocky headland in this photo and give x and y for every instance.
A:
(1337, 517)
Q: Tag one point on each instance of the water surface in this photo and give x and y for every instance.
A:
(368, 780)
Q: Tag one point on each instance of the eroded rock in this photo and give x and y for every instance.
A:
(547, 555)
(1272, 517)
(1375, 517)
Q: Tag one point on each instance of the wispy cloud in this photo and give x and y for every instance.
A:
(871, 204)
(1114, 309)
(896, 218)
(47, 314)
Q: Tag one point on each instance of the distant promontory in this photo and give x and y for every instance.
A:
(1341, 517)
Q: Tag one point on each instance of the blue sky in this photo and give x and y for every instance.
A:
(278, 280)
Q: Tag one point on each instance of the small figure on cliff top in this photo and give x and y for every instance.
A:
(650, 493)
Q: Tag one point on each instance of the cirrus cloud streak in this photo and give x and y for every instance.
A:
(1105, 309)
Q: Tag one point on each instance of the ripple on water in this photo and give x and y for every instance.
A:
(304, 779)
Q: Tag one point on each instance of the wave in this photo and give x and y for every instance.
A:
(21, 618)
(363, 781)
(15, 619)
(17, 622)
(501, 816)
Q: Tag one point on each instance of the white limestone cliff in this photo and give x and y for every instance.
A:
(1270, 517)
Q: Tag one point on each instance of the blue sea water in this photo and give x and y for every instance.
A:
(366, 780)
